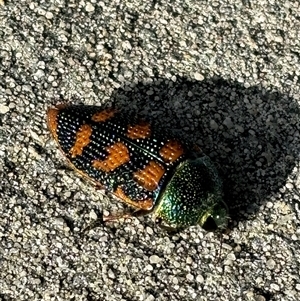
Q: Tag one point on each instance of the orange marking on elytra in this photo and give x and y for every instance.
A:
(149, 176)
(139, 131)
(52, 121)
(171, 151)
(104, 115)
(118, 155)
(142, 204)
(52, 118)
(82, 140)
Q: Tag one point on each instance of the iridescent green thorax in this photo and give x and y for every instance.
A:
(193, 197)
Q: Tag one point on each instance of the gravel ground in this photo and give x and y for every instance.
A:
(222, 74)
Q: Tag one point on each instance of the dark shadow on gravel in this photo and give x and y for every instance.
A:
(251, 134)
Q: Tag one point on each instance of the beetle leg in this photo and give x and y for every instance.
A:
(165, 227)
(136, 213)
(97, 223)
(112, 218)
(197, 148)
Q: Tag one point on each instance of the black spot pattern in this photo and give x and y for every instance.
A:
(105, 134)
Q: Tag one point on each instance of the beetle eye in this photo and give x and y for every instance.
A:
(210, 224)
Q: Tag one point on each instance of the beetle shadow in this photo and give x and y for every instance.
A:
(251, 134)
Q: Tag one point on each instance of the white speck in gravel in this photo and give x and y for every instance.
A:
(290, 293)
(289, 185)
(231, 256)
(189, 260)
(149, 230)
(49, 15)
(155, 259)
(249, 294)
(123, 268)
(200, 279)
(228, 262)
(63, 38)
(149, 267)
(111, 274)
(126, 45)
(270, 264)
(89, 8)
(104, 238)
(35, 136)
(176, 264)
(59, 222)
(150, 298)
(259, 280)
(39, 74)
(50, 78)
(294, 237)
(275, 287)
(93, 215)
(59, 245)
(4, 109)
(259, 298)
(198, 76)
(175, 280)
(182, 292)
(190, 277)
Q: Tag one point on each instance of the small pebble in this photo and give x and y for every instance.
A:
(3, 109)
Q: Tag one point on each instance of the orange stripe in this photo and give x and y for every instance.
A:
(82, 140)
(118, 155)
(139, 131)
(104, 115)
(171, 151)
(150, 176)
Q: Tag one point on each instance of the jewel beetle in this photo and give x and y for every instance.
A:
(141, 165)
